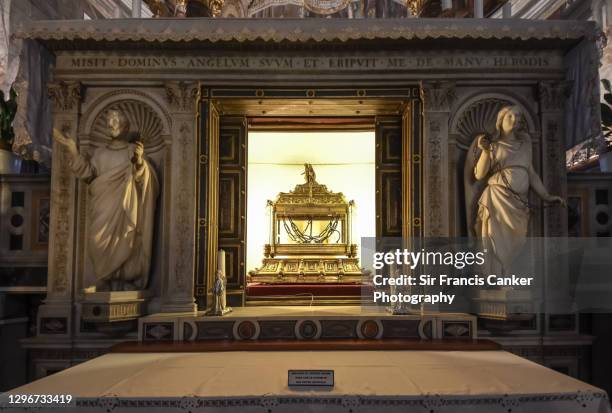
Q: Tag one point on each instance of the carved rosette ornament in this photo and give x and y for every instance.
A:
(182, 96)
(66, 95)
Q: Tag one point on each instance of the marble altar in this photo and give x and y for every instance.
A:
(365, 381)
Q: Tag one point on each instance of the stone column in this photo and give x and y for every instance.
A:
(553, 96)
(177, 287)
(437, 98)
(55, 315)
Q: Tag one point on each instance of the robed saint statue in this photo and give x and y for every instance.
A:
(498, 175)
(122, 188)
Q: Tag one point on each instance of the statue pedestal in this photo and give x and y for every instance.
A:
(113, 306)
(219, 313)
(504, 303)
(506, 309)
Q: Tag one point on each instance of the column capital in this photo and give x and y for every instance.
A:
(182, 96)
(553, 95)
(66, 95)
(438, 96)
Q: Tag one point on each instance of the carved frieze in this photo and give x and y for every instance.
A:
(61, 206)
(437, 100)
(553, 97)
(435, 192)
(184, 206)
(182, 96)
(555, 175)
(66, 95)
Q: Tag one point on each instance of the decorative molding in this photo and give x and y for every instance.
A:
(565, 401)
(157, 331)
(53, 325)
(61, 215)
(437, 96)
(106, 312)
(182, 96)
(302, 30)
(435, 191)
(66, 95)
(553, 95)
(196, 328)
(184, 209)
(437, 99)
(555, 177)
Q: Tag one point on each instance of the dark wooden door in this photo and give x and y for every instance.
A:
(399, 174)
(233, 203)
(388, 177)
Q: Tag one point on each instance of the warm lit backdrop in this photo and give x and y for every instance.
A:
(344, 161)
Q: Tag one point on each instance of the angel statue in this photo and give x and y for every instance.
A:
(123, 189)
(498, 175)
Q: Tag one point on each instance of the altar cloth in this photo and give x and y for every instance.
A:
(365, 381)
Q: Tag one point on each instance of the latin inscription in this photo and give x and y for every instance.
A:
(312, 63)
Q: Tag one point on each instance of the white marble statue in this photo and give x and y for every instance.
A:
(498, 176)
(123, 188)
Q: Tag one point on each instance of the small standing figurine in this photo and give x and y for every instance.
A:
(219, 304)
(398, 308)
(309, 174)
